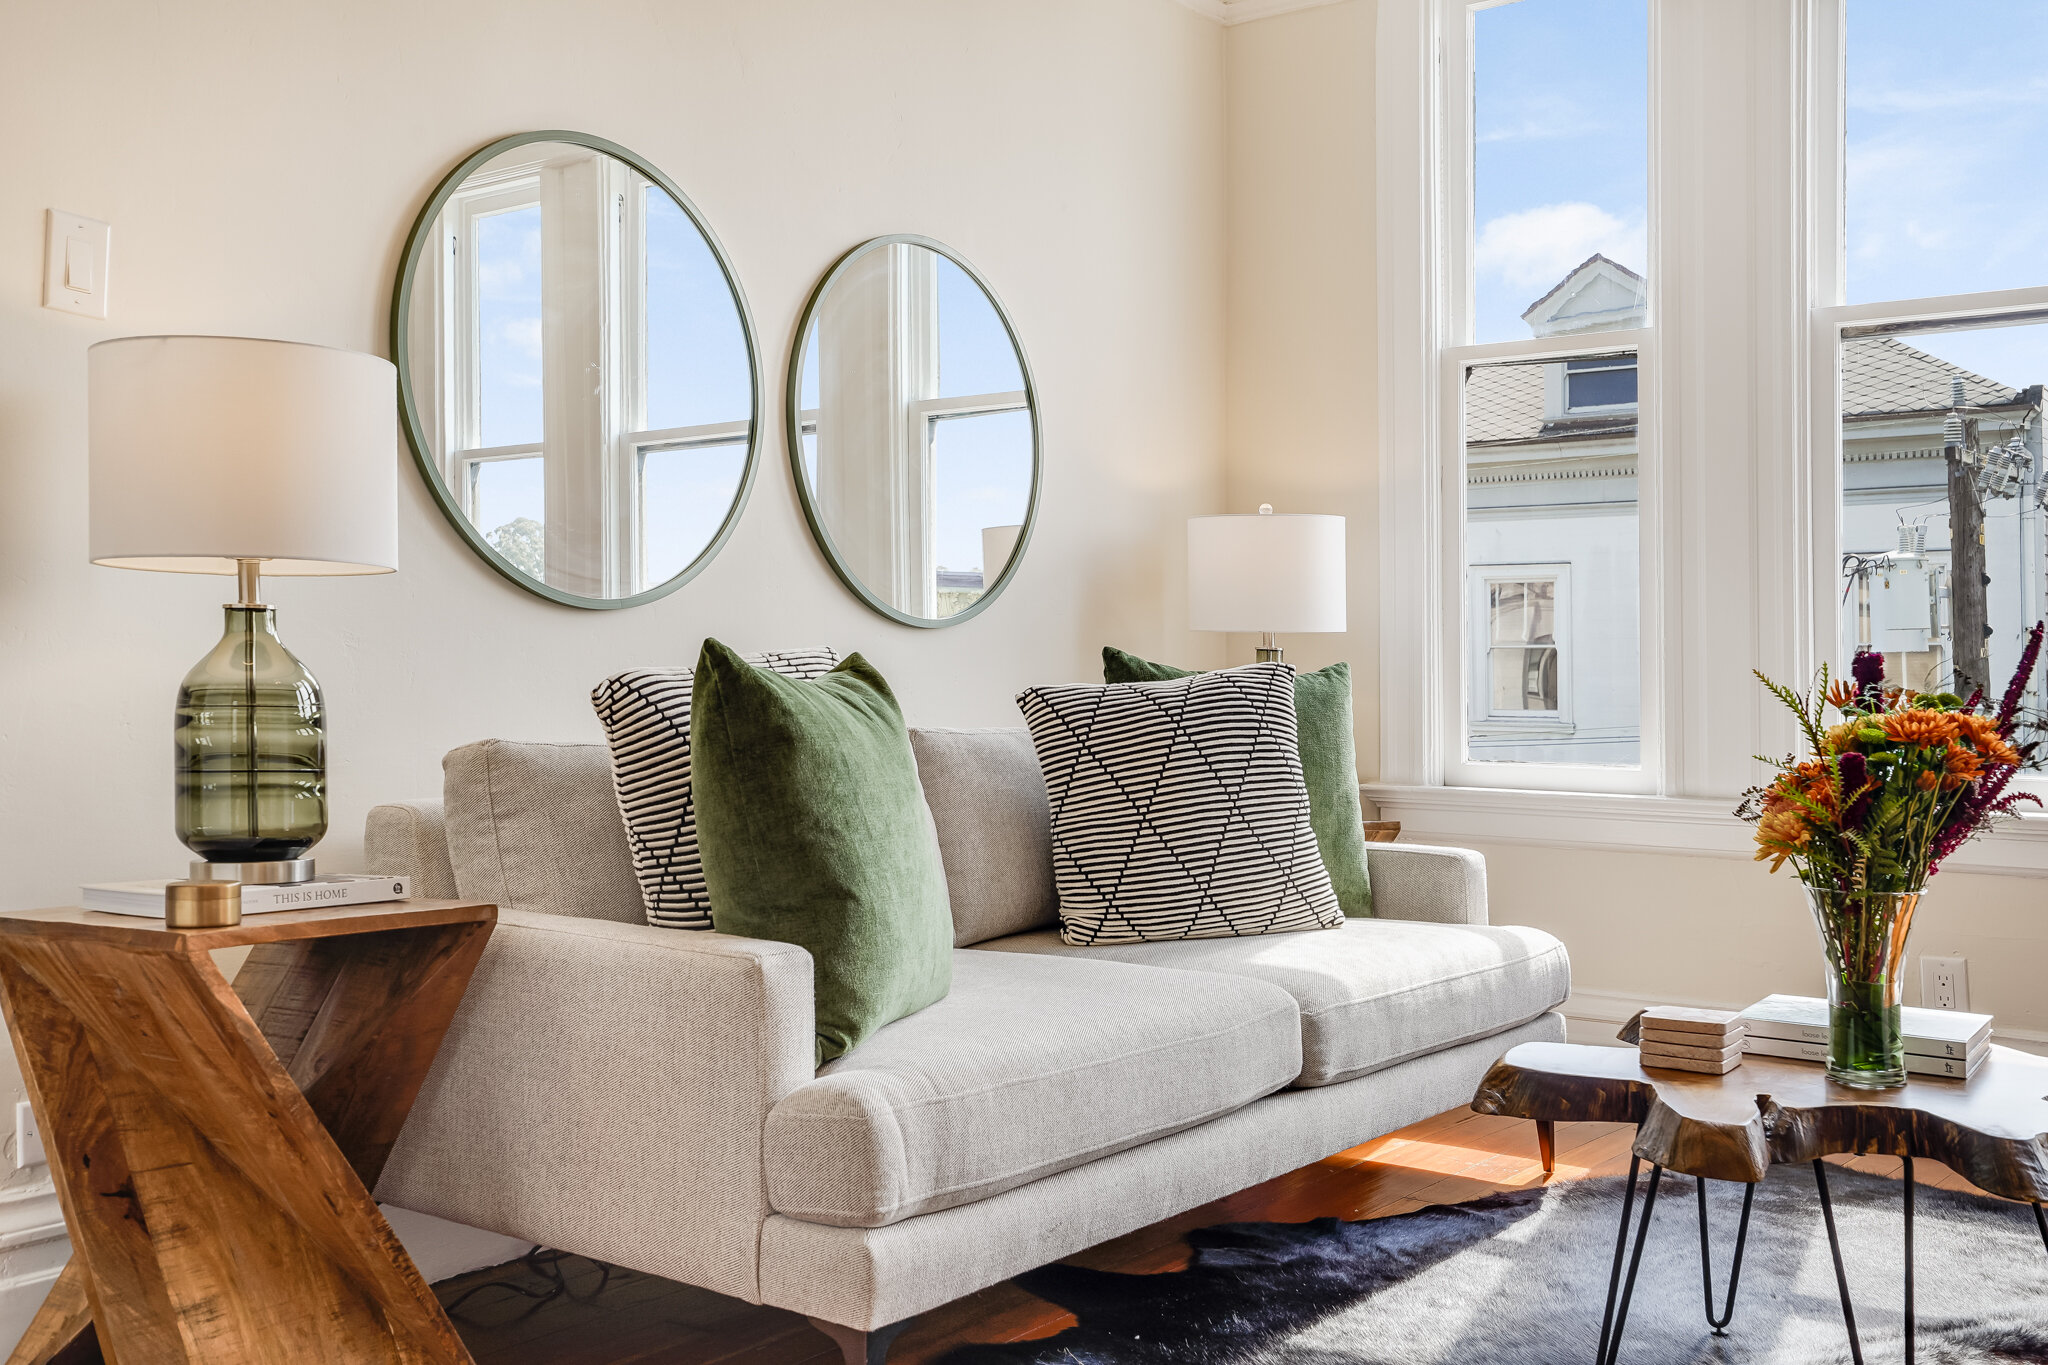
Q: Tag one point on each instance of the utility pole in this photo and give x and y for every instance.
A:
(1968, 615)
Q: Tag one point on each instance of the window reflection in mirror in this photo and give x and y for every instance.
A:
(917, 446)
(580, 374)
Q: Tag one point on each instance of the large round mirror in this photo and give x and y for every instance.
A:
(913, 429)
(578, 370)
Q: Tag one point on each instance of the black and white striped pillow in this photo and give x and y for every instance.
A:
(646, 717)
(1179, 809)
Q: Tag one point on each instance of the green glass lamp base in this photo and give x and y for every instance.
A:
(251, 780)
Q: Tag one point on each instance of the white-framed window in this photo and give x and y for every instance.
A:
(929, 399)
(1520, 615)
(1789, 504)
(1545, 337)
(1931, 340)
(603, 489)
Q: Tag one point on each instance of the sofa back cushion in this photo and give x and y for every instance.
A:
(536, 827)
(987, 798)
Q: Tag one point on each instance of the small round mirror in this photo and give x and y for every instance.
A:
(577, 368)
(913, 429)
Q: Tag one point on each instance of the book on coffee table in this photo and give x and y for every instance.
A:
(145, 899)
(1938, 1042)
(1956, 1068)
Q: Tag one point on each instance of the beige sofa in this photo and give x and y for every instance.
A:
(646, 1097)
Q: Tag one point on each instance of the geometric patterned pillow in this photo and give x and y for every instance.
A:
(646, 718)
(1179, 809)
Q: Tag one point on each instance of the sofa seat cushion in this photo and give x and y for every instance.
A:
(1374, 992)
(1031, 1065)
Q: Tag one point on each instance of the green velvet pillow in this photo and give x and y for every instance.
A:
(813, 831)
(1329, 762)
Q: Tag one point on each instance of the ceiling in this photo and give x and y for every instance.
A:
(1244, 11)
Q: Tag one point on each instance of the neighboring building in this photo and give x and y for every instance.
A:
(1551, 532)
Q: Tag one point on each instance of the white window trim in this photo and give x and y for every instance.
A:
(1744, 501)
(1434, 239)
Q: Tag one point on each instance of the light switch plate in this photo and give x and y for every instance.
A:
(76, 250)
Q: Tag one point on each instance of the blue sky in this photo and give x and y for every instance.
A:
(1560, 151)
(1945, 193)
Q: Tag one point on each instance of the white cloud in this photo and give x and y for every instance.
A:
(1534, 248)
(522, 335)
(1540, 118)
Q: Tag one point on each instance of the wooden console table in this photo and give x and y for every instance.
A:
(1992, 1130)
(214, 1147)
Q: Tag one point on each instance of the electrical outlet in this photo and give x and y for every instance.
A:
(1945, 983)
(28, 1139)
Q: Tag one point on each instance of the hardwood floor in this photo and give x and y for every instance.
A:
(641, 1320)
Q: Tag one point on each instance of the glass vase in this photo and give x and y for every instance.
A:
(1863, 934)
(251, 748)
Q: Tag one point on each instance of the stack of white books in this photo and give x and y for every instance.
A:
(147, 898)
(1938, 1042)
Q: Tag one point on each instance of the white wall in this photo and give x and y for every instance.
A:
(261, 164)
(1303, 322)
(1641, 927)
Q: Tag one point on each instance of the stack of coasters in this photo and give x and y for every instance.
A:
(1677, 1039)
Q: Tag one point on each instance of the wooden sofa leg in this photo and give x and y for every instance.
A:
(861, 1348)
(1546, 1145)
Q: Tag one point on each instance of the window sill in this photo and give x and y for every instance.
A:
(1642, 824)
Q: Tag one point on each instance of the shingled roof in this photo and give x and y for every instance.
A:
(1880, 375)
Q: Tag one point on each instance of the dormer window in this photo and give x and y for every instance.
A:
(1604, 384)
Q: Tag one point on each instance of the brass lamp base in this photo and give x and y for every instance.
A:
(282, 872)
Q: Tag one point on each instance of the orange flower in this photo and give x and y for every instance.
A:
(1961, 766)
(1982, 733)
(1777, 830)
(1842, 694)
(1928, 780)
(1918, 727)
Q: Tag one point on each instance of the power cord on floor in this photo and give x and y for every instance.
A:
(543, 1263)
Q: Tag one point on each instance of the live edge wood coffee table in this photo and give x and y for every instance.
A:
(1991, 1130)
(214, 1147)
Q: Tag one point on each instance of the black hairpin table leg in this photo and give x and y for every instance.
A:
(1912, 1323)
(2042, 1218)
(1635, 1262)
(1827, 1213)
(1628, 1202)
(1720, 1324)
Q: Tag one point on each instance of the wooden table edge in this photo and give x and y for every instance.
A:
(268, 926)
(1744, 1147)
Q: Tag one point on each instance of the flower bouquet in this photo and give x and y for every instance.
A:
(1899, 783)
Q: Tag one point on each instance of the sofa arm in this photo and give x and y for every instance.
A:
(1421, 881)
(410, 839)
(603, 1090)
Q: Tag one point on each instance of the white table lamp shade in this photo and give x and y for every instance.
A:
(206, 450)
(1282, 574)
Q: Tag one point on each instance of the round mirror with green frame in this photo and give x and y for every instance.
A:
(577, 369)
(914, 432)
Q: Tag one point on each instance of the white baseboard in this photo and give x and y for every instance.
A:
(20, 1297)
(33, 1250)
(442, 1249)
(1595, 1016)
